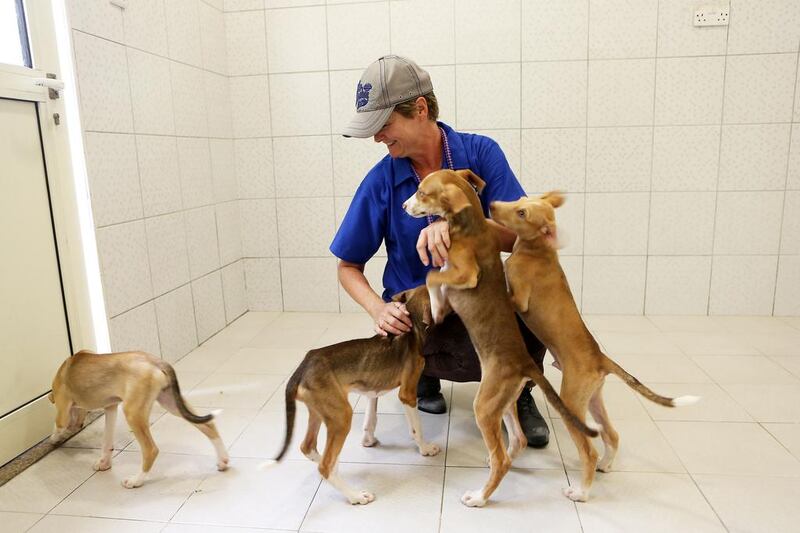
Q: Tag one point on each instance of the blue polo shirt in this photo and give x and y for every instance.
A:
(376, 213)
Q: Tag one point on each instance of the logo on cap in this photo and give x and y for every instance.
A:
(362, 94)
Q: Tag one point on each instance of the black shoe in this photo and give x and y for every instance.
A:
(533, 425)
(433, 404)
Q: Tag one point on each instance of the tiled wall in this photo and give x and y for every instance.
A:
(672, 142)
(155, 104)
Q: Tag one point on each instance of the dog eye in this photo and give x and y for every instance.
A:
(521, 213)
(421, 193)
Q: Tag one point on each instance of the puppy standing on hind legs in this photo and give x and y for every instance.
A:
(541, 295)
(88, 381)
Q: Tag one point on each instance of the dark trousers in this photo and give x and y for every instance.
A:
(449, 354)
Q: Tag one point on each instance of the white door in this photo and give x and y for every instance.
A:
(34, 330)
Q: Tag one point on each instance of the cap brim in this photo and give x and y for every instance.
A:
(367, 123)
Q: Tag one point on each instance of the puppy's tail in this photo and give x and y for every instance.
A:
(291, 409)
(613, 368)
(555, 400)
(180, 403)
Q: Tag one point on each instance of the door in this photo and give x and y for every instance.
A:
(34, 326)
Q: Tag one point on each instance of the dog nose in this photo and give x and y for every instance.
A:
(404, 205)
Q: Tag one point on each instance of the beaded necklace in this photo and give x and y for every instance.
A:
(448, 157)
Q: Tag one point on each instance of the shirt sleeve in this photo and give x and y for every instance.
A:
(364, 226)
(492, 166)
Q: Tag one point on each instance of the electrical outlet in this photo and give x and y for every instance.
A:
(711, 16)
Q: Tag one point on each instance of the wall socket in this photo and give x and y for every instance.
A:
(712, 16)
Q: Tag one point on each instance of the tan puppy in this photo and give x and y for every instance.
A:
(540, 293)
(371, 367)
(474, 284)
(88, 381)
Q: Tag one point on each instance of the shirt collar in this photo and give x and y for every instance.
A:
(401, 167)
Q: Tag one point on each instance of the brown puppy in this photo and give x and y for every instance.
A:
(474, 284)
(541, 294)
(88, 381)
(370, 366)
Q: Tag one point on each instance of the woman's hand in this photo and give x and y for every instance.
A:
(434, 239)
(391, 317)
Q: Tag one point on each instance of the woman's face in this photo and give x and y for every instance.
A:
(400, 135)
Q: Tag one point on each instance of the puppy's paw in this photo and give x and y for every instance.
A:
(428, 449)
(104, 463)
(575, 494)
(56, 438)
(133, 482)
(362, 498)
(473, 498)
(314, 456)
(368, 440)
(222, 463)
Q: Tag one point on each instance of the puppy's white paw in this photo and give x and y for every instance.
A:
(575, 494)
(473, 498)
(56, 438)
(104, 463)
(362, 498)
(222, 464)
(429, 449)
(368, 440)
(133, 482)
(314, 456)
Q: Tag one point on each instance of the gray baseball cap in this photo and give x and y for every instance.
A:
(387, 82)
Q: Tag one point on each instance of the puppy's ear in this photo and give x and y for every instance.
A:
(550, 236)
(554, 198)
(471, 178)
(401, 296)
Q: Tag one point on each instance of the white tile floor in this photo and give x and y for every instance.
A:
(731, 462)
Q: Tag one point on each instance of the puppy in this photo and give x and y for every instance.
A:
(88, 381)
(473, 283)
(541, 295)
(371, 367)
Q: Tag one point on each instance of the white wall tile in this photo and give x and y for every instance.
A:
(685, 158)
(223, 170)
(689, 90)
(122, 250)
(201, 239)
(611, 34)
(135, 330)
(748, 222)
(765, 26)
(478, 106)
(250, 105)
(677, 285)
(105, 98)
(246, 36)
(234, 291)
(554, 30)
(209, 305)
(212, 39)
(113, 178)
(189, 100)
(616, 223)
(787, 292)
(343, 84)
(569, 218)
(352, 159)
(194, 158)
(618, 159)
(621, 92)
(159, 173)
(742, 285)
(572, 265)
(487, 32)
(219, 5)
(793, 179)
(554, 159)
(151, 96)
(759, 88)
(146, 26)
(176, 323)
(299, 104)
(296, 40)
(677, 35)
(242, 5)
(254, 168)
(229, 232)
(373, 270)
(613, 285)
(554, 94)
(263, 282)
(790, 228)
(303, 166)
(431, 39)
(309, 284)
(167, 251)
(259, 228)
(444, 86)
(218, 105)
(754, 157)
(358, 34)
(97, 17)
(183, 31)
(681, 223)
(305, 226)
